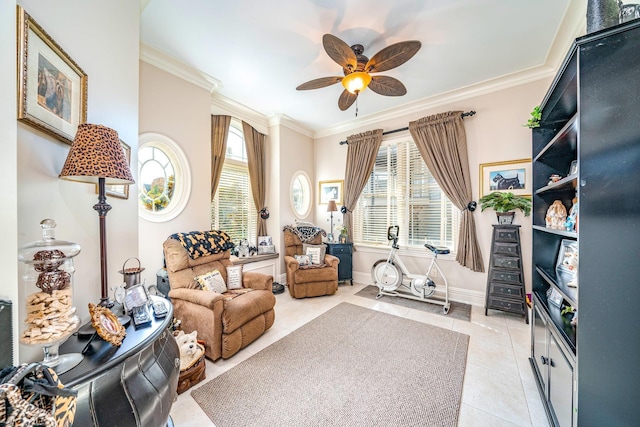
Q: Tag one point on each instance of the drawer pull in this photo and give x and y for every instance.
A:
(544, 360)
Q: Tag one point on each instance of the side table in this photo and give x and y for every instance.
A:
(344, 252)
(134, 384)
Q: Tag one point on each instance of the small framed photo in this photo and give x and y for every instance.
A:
(107, 325)
(135, 296)
(554, 297)
(331, 190)
(573, 169)
(265, 241)
(120, 191)
(52, 88)
(511, 176)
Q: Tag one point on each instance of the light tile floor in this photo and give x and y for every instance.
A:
(499, 387)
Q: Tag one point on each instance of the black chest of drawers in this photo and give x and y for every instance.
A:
(505, 281)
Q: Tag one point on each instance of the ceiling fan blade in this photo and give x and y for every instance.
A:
(392, 56)
(346, 100)
(388, 86)
(339, 51)
(318, 83)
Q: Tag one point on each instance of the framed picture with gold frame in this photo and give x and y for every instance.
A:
(52, 88)
(330, 190)
(120, 191)
(107, 325)
(510, 176)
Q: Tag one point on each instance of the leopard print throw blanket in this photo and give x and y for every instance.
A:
(204, 243)
(305, 233)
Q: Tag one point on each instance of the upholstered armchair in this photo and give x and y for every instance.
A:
(310, 280)
(228, 321)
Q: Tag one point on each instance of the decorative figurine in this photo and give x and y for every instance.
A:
(556, 216)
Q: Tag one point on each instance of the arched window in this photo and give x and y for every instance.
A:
(232, 208)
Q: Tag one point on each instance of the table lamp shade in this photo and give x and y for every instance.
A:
(96, 153)
(332, 207)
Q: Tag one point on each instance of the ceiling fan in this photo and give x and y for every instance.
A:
(357, 69)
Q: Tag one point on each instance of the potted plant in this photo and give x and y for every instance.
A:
(534, 120)
(504, 203)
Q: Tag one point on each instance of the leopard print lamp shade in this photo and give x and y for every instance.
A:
(96, 153)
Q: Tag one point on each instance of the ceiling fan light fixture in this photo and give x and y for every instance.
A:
(356, 82)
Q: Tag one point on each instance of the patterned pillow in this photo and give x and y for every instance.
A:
(234, 277)
(212, 281)
(315, 252)
(302, 259)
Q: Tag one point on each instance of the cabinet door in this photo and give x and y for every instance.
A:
(560, 384)
(540, 351)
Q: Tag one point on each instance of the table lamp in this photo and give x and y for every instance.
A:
(96, 156)
(332, 207)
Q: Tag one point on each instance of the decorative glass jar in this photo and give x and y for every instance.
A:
(50, 314)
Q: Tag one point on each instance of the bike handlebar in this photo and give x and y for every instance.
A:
(393, 236)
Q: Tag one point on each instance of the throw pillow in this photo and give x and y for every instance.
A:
(212, 281)
(315, 252)
(234, 277)
(302, 259)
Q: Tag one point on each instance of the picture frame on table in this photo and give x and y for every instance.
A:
(120, 191)
(331, 190)
(52, 88)
(508, 176)
(265, 245)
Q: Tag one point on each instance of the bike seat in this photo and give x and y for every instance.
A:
(437, 250)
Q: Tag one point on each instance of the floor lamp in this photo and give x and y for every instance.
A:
(96, 156)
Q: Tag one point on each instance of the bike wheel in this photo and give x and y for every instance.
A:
(386, 275)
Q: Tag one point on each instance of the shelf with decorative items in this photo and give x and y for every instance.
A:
(584, 260)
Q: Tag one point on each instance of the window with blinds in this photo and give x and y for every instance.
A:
(402, 191)
(232, 208)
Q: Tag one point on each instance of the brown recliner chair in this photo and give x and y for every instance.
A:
(226, 322)
(308, 281)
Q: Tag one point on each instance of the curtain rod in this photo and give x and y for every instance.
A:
(463, 115)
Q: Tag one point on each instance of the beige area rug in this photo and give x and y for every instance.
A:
(351, 366)
(458, 310)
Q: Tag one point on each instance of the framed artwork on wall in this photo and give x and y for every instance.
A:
(52, 88)
(120, 191)
(331, 190)
(513, 176)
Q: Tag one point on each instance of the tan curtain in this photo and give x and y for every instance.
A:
(361, 156)
(219, 134)
(442, 142)
(256, 155)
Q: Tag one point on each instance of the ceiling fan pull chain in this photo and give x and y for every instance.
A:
(356, 104)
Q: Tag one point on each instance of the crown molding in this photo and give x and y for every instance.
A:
(222, 105)
(171, 65)
(416, 107)
(286, 121)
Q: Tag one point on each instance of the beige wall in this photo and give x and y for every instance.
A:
(494, 134)
(8, 161)
(107, 50)
(179, 110)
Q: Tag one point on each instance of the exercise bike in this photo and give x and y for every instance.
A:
(393, 279)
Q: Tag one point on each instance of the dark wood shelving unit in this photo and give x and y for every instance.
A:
(587, 373)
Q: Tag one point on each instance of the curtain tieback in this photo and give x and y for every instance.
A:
(264, 213)
(344, 210)
(471, 206)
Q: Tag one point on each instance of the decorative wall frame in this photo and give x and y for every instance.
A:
(512, 175)
(52, 88)
(331, 190)
(120, 191)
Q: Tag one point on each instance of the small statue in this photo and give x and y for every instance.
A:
(556, 216)
(243, 249)
(572, 219)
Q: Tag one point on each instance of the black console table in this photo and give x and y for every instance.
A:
(134, 384)
(343, 251)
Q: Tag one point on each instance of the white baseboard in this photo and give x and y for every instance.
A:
(462, 295)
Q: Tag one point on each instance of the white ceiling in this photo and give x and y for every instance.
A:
(260, 50)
